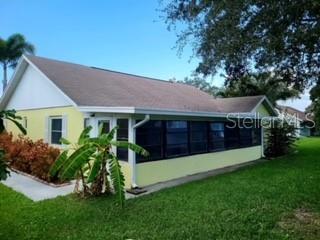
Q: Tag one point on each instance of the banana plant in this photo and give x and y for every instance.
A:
(93, 161)
(11, 116)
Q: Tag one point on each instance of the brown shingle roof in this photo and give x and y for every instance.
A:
(88, 86)
(292, 111)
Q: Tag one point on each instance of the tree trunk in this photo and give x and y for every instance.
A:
(5, 81)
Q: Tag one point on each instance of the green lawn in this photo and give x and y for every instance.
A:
(278, 199)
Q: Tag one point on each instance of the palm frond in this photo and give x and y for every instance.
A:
(11, 113)
(128, 145)
(100, 129)
(84, 136)
(76, 161)
(117, 179)
(19, 125)
(95, 167)
(65, 141)
(58, 164)
(105, 138)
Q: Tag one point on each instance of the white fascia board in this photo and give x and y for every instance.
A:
(89, 109)
(13, 82)
(52, 83)
(168, 112)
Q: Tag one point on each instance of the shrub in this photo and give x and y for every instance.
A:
(31, 157)
(280, 139)
(4, 173)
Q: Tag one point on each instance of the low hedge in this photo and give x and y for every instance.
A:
(32, 157)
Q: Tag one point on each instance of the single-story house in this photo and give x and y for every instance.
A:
(185, 130)
(302, 121)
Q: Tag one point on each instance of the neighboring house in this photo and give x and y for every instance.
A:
(184, 129)
(302, 121)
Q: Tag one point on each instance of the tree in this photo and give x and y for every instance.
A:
(314, 108)
(10, 52)
(276, 36)
(199, 83)
(9, 115)
(92, 161)
(258, 84)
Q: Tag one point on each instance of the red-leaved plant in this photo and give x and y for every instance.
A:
(32, 157)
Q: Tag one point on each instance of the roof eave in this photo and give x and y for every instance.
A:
(13, 82)
(167, 112)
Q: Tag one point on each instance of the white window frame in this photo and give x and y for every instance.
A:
(63, 128)
(96, 130)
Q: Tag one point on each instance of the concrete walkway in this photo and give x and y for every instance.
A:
(35, 190)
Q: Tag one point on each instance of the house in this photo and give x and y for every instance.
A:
(185, 130)
(301, 120)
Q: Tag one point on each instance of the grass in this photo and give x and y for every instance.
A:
(259, 202)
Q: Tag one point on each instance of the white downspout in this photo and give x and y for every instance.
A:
(139, 124)
(262, 141)
(146, 119)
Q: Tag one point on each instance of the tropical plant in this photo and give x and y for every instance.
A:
(280, 139)
(11, 116)
(10, 52)
(93, 162)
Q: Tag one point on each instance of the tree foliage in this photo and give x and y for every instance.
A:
(92, 162)
(11, 50)
(314, 108)
(258, 84)
(278, 36)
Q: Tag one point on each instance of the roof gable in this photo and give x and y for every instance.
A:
(31, 89)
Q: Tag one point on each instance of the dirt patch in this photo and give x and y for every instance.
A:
(302, 223)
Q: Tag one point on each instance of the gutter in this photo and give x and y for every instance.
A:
(134, 173)
(167, 112)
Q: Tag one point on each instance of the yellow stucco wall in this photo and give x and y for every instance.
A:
(164, 170)
(36, 122)
(263, 111)
(127, 172)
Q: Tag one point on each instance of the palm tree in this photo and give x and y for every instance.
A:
(10, 52)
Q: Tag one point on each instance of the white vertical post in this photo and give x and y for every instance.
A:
(113, 123)
(132, 155)
(262, 141)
